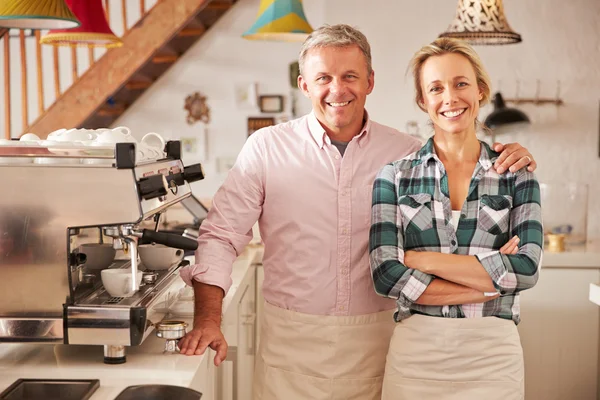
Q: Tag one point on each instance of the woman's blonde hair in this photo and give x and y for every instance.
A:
(443, 46)
(340, 35)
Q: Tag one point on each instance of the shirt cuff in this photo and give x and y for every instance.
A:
(493, 264)
(415, 286)
(203, 274)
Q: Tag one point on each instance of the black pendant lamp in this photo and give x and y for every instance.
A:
(503, 116)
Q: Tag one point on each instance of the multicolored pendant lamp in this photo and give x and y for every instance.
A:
(481, 22)
(36, 14)
(93, 32)
(280, 20)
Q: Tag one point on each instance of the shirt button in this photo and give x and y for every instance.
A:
(463, 216)
(345, 271)
(342, 308)
(337, 156)
(344, 231)
(453, 242)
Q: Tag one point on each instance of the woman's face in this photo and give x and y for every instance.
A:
(450, 92)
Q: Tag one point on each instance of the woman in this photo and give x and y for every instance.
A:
(439, 244)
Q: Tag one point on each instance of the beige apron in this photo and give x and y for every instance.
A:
(454, 359)
(320, 357)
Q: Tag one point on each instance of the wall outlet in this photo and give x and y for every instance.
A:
(189, 144)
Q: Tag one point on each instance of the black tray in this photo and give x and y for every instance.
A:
(158, 392)
(51, 389)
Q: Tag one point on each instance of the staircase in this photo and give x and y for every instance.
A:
(115, 80)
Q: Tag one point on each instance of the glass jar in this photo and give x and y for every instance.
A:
(565, 210)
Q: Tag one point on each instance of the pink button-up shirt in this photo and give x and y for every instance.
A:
(313, 207)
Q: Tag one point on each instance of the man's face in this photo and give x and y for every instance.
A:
(337, 82)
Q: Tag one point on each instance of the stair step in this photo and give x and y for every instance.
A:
(219, 5)
(111, 111)
(191, 32)
(138, 85)
(165, 58)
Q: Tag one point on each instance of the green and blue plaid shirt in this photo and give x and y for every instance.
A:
(411, 211)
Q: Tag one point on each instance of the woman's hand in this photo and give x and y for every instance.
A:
(511, 247)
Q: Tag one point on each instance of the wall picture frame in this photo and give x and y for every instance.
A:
(255, 123)
(270, 103)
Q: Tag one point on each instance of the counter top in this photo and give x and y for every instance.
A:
(595, 293)
(146, 364)
(583, 256)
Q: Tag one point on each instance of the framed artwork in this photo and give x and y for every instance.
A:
(270, 103)
(255, 123)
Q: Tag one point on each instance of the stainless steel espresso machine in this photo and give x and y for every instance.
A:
(58, 199)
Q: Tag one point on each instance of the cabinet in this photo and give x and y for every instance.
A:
(560, 333)
(234, 377)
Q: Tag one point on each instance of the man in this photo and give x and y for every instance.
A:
(308, 182)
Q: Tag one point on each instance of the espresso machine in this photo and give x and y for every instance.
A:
(58, 199)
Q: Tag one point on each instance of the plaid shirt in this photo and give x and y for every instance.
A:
(412, 211)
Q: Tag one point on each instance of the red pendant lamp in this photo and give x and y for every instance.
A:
(93, 32)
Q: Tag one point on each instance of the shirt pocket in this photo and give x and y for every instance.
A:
(494, 213)
(416, 213)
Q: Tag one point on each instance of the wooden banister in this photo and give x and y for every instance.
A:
(40, 75)
(118, 65)
(24, 102)
(74, 64)
(124, 12)
(56, 73)
(7, 126)
(145, 45)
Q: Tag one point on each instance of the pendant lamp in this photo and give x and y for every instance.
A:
(279, 20)
(504, 119)
(36, 14)
(93, 32)
(481, 22)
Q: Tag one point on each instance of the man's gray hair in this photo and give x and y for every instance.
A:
(340, 35)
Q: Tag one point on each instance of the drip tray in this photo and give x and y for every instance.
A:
(51, 389)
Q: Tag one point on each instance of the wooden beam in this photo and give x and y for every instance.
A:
(117, 66)
(186, 32)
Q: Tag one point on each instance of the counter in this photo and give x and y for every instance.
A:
(583, 256)
(146, 364)
(595, 293)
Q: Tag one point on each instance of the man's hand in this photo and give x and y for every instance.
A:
(513, 157)
(205, 334)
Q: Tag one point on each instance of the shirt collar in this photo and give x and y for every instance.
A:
(487, 156)
(320, 136)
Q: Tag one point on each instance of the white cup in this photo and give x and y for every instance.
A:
(117, 282)
(155, 142)
(157, 256)
(30, 137)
